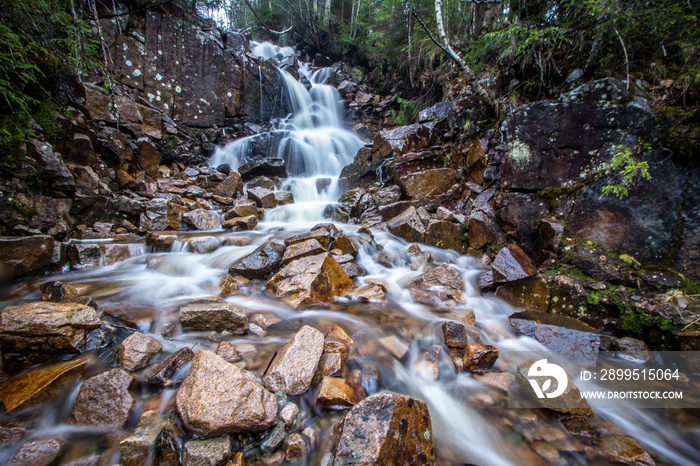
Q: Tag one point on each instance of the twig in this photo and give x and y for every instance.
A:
(627, 62)
(263, 22)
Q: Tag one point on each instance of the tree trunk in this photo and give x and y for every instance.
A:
(327, 13)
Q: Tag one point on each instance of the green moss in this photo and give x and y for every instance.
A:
(594, 298)
(638, 322)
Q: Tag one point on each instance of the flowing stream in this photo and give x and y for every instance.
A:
(471, 422)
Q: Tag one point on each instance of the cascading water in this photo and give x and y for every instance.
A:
(146, 291)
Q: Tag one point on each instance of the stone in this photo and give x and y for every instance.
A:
(579, 425)
(386, 428)
(569, 402)
(40, 384)
(44, 451)
(511, 263)
(527, 293)
(442, 278)
(297, 450)
(336, 393)
(264, 198)
(268, 167)
(322, 235)
(57, 292)
(479, 358)
(26, 256)
(284, 197)
(407, 225)
(444, 235)
(631, 348)
(42, 330)
(310, 247)
(241, 223)
(136, 448)
(346, 244)
(598, 265)
(208, 452)
(454, 334)
(214, 316)
(294, 366)
(422, 185)
(149, 158)
(624, 450)
(81, 255)
(201, 219)
(560, 334)
(113, 253)
(162, 241)
(203, 244)
(273, 439)
(549, 235)
(262, 262)
(155, 215)
(396, 346)
(369, 293)
(310, 280)
(228, 286)
(217, 398)
(482, 230)
(104, 400)
(243, 208)
(165, 372)
(231, 186)
(289, 413)
(137, 350)
(227, 351)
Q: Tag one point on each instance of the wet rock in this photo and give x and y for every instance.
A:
(41, 384)
(231, 186)
(444, 235)
(336, 393)
(297, 449)
(25, 256)
(11, 435)
(394, 345)
(135, 449)
(346, 244)
(407, 225)
(631, 348)
(160, 240)
(389, 211)
(442, 278)
(479, 358)
(104, 400)
(269, 167)
(310, 247)
(289, 413)
(579, 425)
(56, 292)
(264, 198)
(113, 253)
(227, 351)
(293, 368)
(262, 262)
(165, 372)
(549, 235)
(284, 197)
(209, 452)
(217, 398)
(228, 286)
(511, 264)
(214, 316)
(455, 334)
(201, 219)
(322, 235)
(568, 297)
(331, 364)
(353, 269)
(569, 402)
(625, 450)
(598, 265)
(84, 255)
(427, 183)
(482, 230)
(310, 280)
(204, 244)
(400, 432)
(137, 350)
(155, 215)
(243, 208)
(528, 293)
(561, 334)
(38, 452)
(404, 138)
(273, 440)
(369, 293)
(42, 330)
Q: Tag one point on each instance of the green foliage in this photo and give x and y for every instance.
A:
(638, 322)
(408, 110)
(628, 168)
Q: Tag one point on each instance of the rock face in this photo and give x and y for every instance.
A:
(104, 400)
(294, 366)
(214, 316)
(25, 256)
(262, 262)
(427, 183)
(386, 428)
(137, 350)
(216, 398)
(310, 280)
(46, 329)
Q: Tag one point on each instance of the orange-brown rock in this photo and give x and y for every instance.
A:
(137, 350)
(294, 366)
(104, 400)
(337, 393)
(310, 247)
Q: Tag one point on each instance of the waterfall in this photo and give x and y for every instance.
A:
(312, 140)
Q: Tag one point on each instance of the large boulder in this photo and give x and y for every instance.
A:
(202, 219)
(214, 316)
(231, 186)
(104, 400)
(217, 398)
(25, 256)
(310, 280)
(262, 262)
(407, 225)
(427, 183)
(386, 428)
(294, 366)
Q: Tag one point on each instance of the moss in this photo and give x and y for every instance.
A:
(639, 322)
(594, 298)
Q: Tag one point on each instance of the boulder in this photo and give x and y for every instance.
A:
(442, 278)
(407, 225)
(217, 398)
(165, 372)
(243, 208)
(203, 244)
(479, 358)
(214, 316)
(136, 448)
(386, 428)
(201, 219)
(337, 393)
(42, 330)
(43, 451)
(322, 235)
(310, 280)
(262, 262)
(104, 400)
(81, 255)
(269, 167)
(599, 265)
(241, 223)
(263, 197)
(231, 186)
(345, 244)
(454, 334)
(155, 215)
(528, 293)
(227, 351)
(511, 263)
(40, 384)
(25, 256)
(310, 247)
(444, 235)
(294, 366)
(207, 452)
(137, 350)
(624, 450)
(482, 230)
(424, 184)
